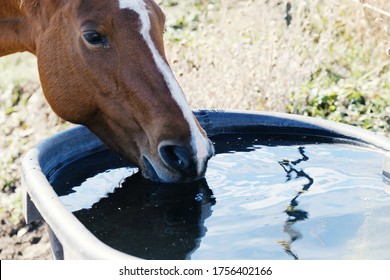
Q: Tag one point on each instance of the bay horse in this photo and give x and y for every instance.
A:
(102, 64)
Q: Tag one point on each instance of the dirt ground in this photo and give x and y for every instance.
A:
(23, 241)
(236, 55)
(18, 240)
(194, 61)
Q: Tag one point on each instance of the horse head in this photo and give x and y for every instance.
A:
(102, 64)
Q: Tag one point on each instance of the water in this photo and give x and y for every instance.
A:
(261, 199)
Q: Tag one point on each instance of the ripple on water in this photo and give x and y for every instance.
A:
(316, 201)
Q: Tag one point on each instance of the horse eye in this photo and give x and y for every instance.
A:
(95, 39)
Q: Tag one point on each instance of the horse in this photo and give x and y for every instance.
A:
(102, 64)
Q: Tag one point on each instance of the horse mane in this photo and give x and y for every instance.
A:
(28, 3)
(32, 6)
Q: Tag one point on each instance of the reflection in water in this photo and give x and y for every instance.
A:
(255, 200)
(166, 221)
(295, 215)
(152, 220)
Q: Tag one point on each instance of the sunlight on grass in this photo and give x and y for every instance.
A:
(318, 58)
(17, 68)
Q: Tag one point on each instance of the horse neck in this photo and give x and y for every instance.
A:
(21, 21)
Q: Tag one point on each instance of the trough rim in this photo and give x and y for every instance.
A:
(39, 197)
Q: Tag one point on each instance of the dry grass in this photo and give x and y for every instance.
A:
(330, 61)
(236, 54)
(251, 60)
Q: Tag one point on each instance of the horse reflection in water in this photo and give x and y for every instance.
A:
(295, 215)
(152, 220)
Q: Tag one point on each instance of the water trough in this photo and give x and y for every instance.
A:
(70, 238)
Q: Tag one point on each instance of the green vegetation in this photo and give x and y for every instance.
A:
(356, 102)
(25, 119)
(185, 17)
(351, 83)
(329, 62)
(16, 75)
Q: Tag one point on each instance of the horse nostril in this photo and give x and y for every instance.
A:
(176, 157)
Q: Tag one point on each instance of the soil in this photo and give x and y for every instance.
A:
(236, 59)
(32, 120)
(21, 241)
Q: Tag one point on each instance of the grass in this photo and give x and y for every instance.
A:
(350, 83)
(318, 58)
(25, 119)
(17, 73)
(330, 61)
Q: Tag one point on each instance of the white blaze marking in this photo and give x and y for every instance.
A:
(198, 140)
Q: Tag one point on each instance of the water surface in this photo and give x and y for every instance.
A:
(261, 198)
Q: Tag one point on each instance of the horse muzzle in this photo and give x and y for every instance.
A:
(176, 163)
